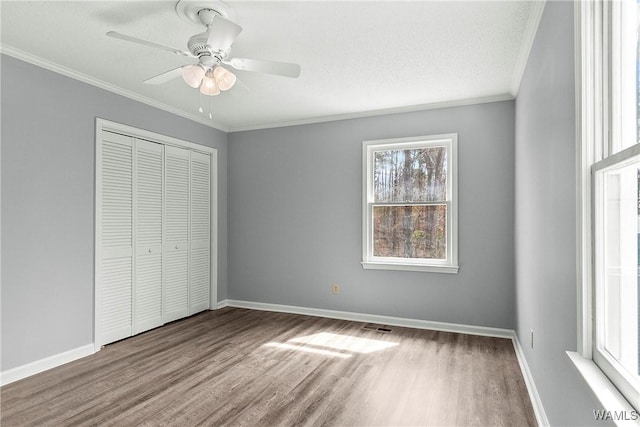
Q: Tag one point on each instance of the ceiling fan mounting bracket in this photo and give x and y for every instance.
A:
(190, 10)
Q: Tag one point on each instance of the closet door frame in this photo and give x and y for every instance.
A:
(129, 131)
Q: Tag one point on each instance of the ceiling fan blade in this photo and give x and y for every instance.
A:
(222, 33)
(121, 36)
(164, 77)
(285, 69)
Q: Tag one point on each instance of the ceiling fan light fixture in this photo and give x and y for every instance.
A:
(225, 78)
(209, 85)
(193, 74)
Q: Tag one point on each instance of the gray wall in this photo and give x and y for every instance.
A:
(295, 218)
(48, 145)
(546, 219)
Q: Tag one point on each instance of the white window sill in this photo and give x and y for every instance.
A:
(605, 391)
(372, 265)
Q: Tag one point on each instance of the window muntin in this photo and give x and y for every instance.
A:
(409, 207)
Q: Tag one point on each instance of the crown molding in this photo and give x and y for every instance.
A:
(527, 44)
(383, 112)
(68, 72)
(52, 66)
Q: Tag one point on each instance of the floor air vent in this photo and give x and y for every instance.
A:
(379, 328)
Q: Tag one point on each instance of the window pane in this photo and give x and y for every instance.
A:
(618, 278)
(410, 231)
(626, 81)
(413, 175)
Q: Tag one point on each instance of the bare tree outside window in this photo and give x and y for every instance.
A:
(407, 220)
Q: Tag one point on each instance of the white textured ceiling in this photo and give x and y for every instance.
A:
(357, 57)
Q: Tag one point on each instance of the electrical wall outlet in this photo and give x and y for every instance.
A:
(335, 289)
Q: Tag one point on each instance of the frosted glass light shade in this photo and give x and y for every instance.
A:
(192, 74)
(209, 85)
(225, 78)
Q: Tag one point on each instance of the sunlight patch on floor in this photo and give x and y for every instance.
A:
(334, 345)
(345, 342)
(308, 349)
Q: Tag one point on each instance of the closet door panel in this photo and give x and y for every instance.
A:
(115, 209)
(200, 195)
(176, 290)
(147, 296)
(200, 232)
(176, 243)
(148, 293)
(200, 281)
(116, 276)
(177, 194)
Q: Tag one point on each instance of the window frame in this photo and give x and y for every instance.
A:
(369, 261)
(598, 132)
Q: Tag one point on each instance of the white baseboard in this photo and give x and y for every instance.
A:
(538, 409)
(372, 318)
(24, 371)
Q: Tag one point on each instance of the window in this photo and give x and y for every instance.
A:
(409, 209)
(610, 193)
(616, 276)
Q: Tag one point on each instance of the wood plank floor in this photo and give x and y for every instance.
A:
(254, 368)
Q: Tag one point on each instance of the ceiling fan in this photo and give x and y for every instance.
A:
(212, 49)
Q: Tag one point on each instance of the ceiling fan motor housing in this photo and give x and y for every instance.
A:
(198, 46)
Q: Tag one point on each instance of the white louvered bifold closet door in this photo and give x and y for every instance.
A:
(115, 208)
(153, 255)
(176, 246)
(147, 295)
(200, 232)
